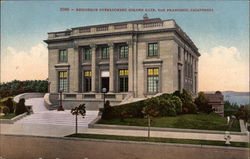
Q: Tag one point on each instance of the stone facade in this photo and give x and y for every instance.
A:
(151, 47)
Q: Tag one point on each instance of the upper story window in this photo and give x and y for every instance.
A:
(105, 53)
(152, 49)
(63, 56)
(87, 54)
(123, 52)
(123, 80)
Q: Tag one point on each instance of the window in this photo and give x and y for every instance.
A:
(105, 53)
(152, 79)
(152, 49)
(63, 56)
(63, 81)
(179, 53)
(87, 81)
(87, 54)
(123, 80)
(123, 52)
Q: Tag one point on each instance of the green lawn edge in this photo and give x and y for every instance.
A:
(160, 140)
(8, 116)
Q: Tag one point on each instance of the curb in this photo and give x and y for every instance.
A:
(12, 120)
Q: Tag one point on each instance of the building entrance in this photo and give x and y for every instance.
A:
(105, 83)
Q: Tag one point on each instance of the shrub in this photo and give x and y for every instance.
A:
(20, 107)
(202, 103)
(188, 105)
(9, 103)
(5, 110)
(107, 111)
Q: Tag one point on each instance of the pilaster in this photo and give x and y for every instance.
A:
(93, 68)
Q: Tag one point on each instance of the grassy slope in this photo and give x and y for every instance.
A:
(187, 121)
(162, 140)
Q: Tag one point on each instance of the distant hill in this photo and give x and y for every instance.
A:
(240, 98)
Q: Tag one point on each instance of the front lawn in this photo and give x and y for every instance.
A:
(187, 121)
(162, 140)
(7, 116)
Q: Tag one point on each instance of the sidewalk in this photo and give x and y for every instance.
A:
(63, 130)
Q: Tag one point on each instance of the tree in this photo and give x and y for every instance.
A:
(80, 110)
(243, 113)
(202, 103)
(230, 108)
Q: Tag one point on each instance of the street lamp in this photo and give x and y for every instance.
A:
(60, 108)
(104, 90)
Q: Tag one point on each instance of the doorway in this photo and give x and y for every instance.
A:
(105, 83)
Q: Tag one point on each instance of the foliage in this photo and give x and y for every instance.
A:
(5, 110)
(17, 87)
(243, 113)
(188, 105)
(20, 107)
(126, 110)
(230, 108)
(202, 103)
(10, 104)
(80, 110)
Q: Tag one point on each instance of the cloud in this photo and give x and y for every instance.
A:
(223, 69)
(21, 65)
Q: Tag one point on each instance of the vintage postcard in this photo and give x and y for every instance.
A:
(124, 79)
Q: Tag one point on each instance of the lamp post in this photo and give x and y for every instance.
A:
(104, 90)
(60, 108)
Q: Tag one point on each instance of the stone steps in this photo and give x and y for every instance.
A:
(42, 115)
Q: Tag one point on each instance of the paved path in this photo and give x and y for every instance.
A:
(53, 123)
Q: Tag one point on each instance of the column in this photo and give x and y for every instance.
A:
(130, 66)
(93, 68)
(111, 67)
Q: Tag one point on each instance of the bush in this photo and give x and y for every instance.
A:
(20, 107)
(5, 110)
(202, 103)
(107, 111)
(188, 105)
(9, 103)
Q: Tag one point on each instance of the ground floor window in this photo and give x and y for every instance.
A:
(123, 80)
(87, 81)
(152, 80)
(63, 81)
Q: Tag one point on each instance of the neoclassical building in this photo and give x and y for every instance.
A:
(132, 59)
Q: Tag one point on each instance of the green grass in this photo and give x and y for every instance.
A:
(8, 116)
(162, 140)
(188, 121)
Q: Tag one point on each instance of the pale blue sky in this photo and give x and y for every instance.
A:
(25, 24)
